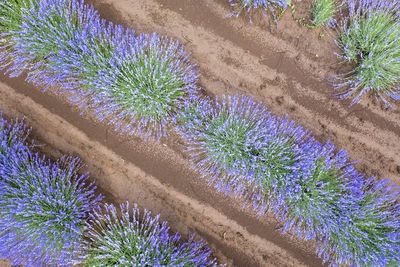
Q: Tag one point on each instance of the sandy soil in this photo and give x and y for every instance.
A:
(4, 263)
(286, 69)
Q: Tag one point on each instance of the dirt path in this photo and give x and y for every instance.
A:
(4, 263)
(157, 177)
(286, 69)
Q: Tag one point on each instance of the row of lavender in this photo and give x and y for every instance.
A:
(281, 168)
(49, 216)
(144, 83)
(368, 35)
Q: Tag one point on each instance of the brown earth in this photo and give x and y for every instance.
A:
(286, 69)
(4, 263)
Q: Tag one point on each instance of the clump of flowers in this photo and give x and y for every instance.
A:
(239, 145)
(135, 82)
(153, 76)
(369, 38)
(43, 204)
(138, 240)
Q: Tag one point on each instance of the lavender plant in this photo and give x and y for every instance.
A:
(324, 202)
(322, 12)
(135, 82)
(369, 39)
(236, 143)
(43, 204)
(138, 240)
(152, 78)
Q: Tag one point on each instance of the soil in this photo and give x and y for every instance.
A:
(286, 68)
(4, 263)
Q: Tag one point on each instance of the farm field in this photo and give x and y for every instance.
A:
(286, 69)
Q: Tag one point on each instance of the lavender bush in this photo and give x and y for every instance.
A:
(138, 240)
(135, 82)
(43, 204)
(236, 141)
(369, 37)
(312, 188)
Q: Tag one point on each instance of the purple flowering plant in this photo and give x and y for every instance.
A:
(238, 139)
(43, 204)
(369, 37)
(134, 239)
(134, 82)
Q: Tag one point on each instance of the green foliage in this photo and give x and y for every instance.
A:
(13, 10)
(321, 191)
(148, 79)
(322, 11)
